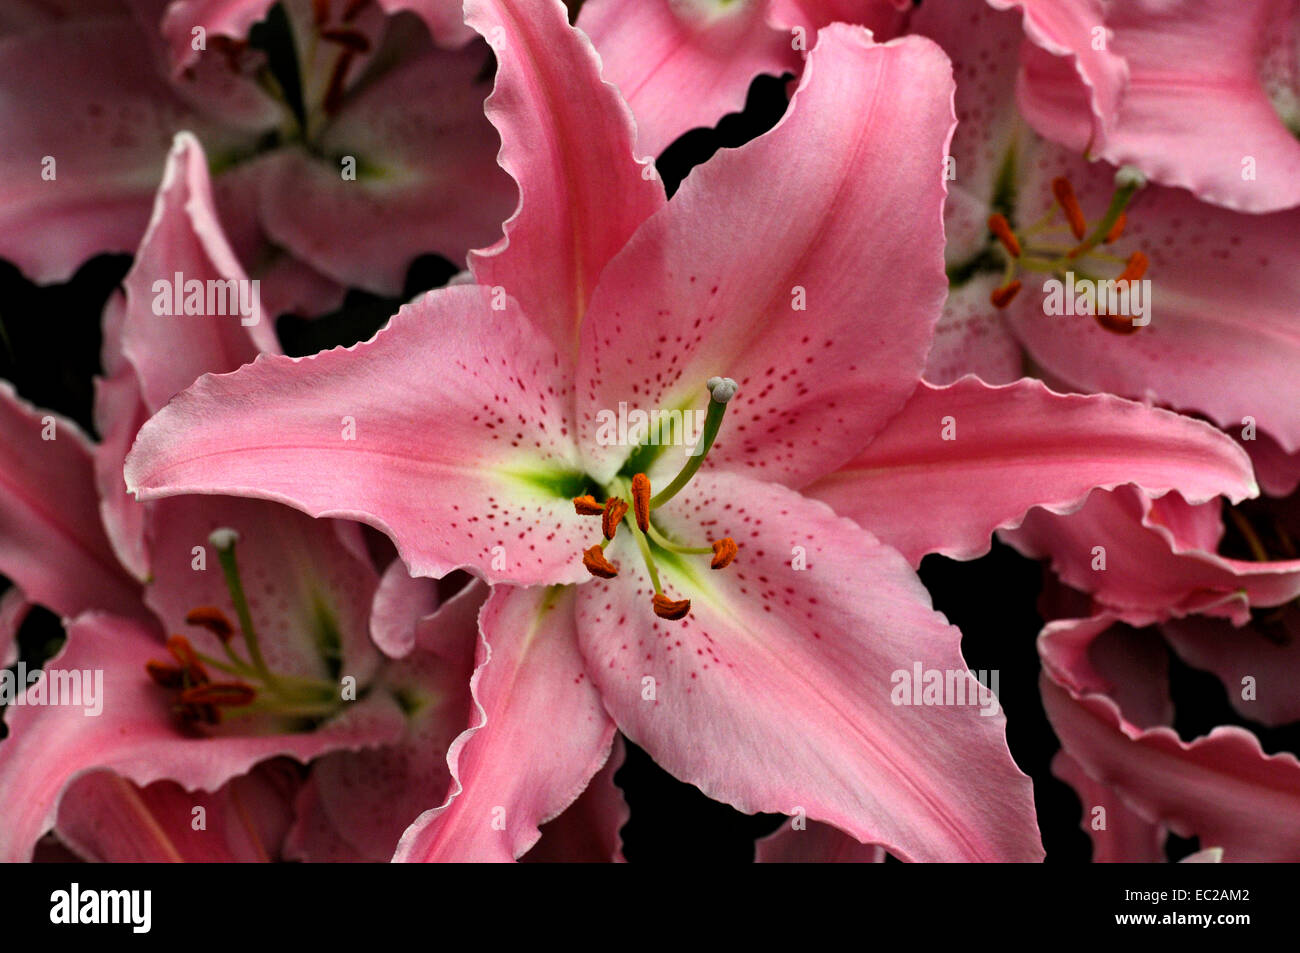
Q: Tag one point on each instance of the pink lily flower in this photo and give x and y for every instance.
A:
(762, 675)
(219, 633)
(86, 143)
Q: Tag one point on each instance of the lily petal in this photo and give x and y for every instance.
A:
(956, 447)
(184, 242)
(1119, 836)
(468, 463)
(52, 543)
(1220, 787)
(815, 844)
(1152, 569)
(589, 829)
(1266, 651)
(775, 693)
(105, 818)
(1197, 103)
(567, 140)
(683, 65)
(540, 737)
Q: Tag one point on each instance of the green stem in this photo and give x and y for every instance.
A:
(645, 555)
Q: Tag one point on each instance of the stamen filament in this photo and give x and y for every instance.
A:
(644, 546)
(664, 542)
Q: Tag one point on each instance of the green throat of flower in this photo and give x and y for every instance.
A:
(631, 501)
(246, 684)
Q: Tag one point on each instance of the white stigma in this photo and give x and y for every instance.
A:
(1129, 177)
(223, 538)
(722, 389)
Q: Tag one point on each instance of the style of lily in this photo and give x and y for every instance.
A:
(227, 631)
(478, 421)
(383, 136)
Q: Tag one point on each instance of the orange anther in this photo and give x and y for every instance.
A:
(165, 674)
(615, 510)
(1064, 192)
(596, 563)
(1000, 227)
(586, 505)
(641, 501)
(183, 652)
(212, 619)
(666, 608)
(1001, 297)
(724, 551)
(1135, 267)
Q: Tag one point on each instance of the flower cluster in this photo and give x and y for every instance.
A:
(649, 467)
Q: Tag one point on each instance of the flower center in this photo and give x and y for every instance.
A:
(633, 498)
(250, 685)
(1061, 242)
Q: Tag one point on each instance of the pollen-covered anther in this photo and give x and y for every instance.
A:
(183, 652)
(596, 563)
(1135, 267)
(615, 510)
(1001, 228)
(1001, 297)
(165, 674)
(641, 501)
(724, 551)
(670, 609)
(1064, 192)
(586, 505)
(212, 619)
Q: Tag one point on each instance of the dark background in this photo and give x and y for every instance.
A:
(49, 348)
